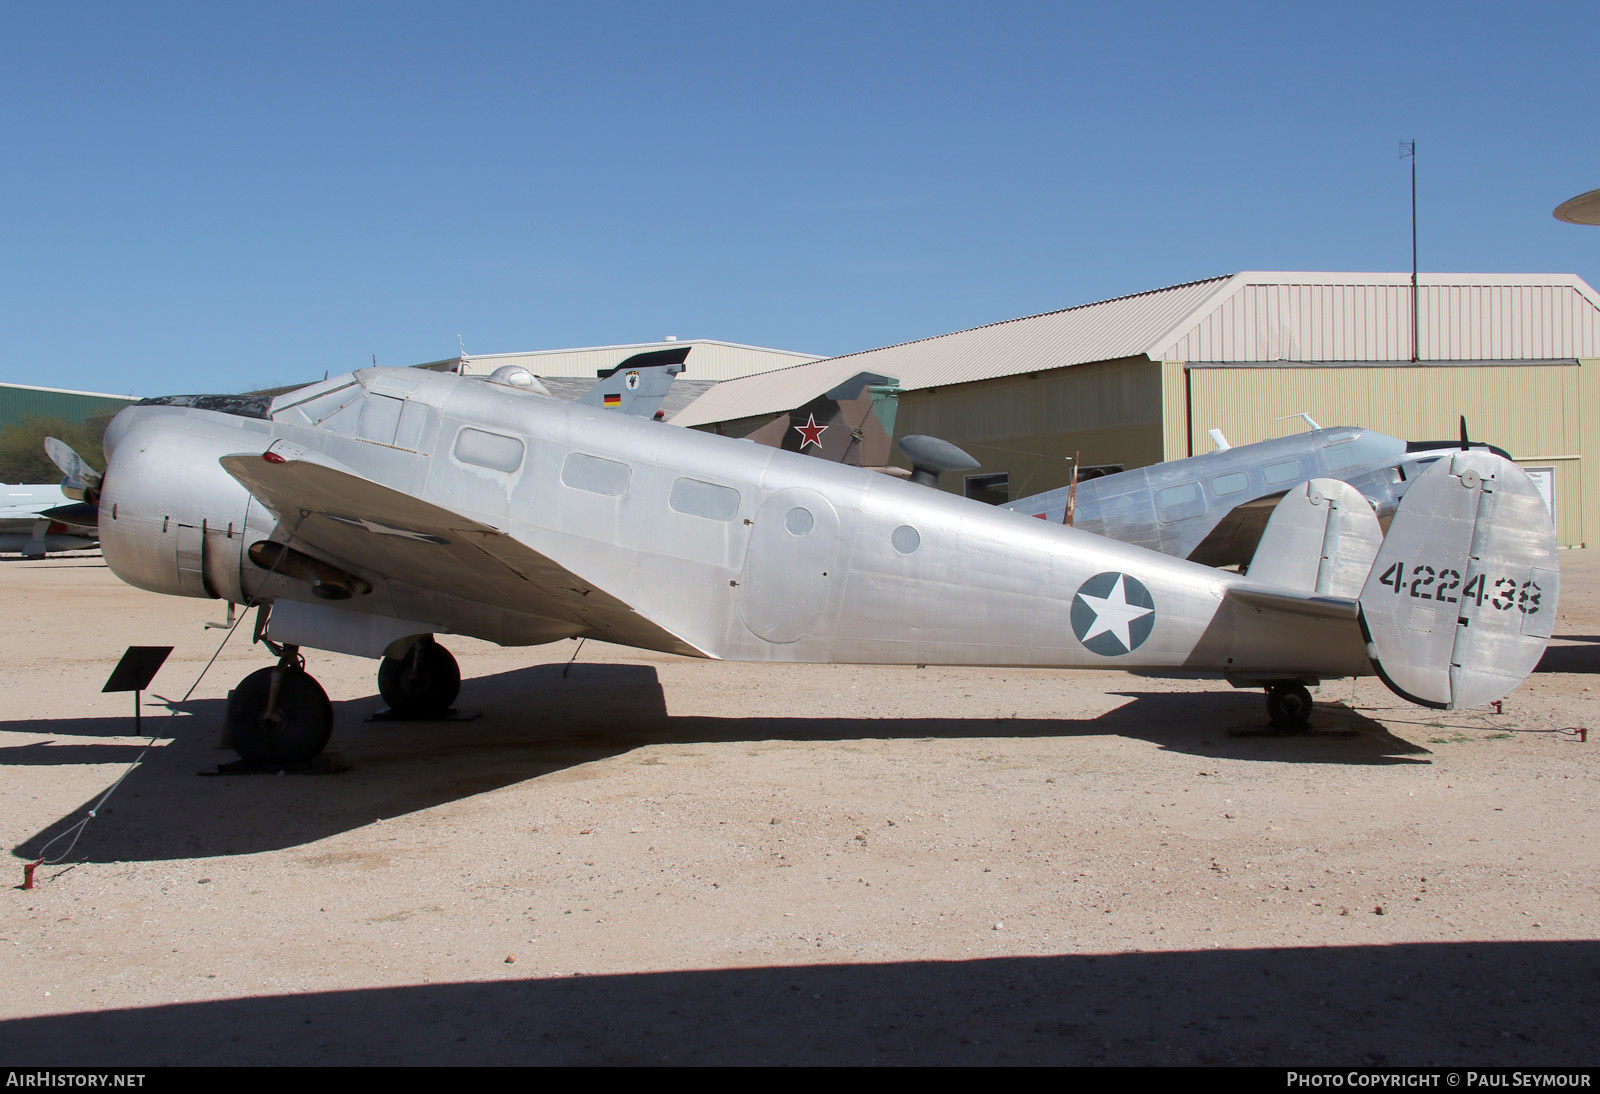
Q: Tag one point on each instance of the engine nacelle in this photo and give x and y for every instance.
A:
(171, 519)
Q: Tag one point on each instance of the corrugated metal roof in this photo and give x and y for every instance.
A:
(1245, 317)
(1367, 317)
(18, 401)
(69, 391)
(1103, 331)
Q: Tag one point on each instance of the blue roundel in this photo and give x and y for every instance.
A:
(1112, 614)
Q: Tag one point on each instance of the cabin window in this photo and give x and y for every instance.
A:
(597, 476)
(1279, 473)
(1223, 485)
(492, 450)
(1181, 494)
(906, 539)
(799, 521)
(1180, 501)
(704, 499)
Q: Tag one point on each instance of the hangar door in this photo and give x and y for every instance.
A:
(1532, 410)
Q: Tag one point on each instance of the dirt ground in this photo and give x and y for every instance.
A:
(651, 860)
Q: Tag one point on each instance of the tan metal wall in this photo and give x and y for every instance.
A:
(1030, 425)
(1543, 414)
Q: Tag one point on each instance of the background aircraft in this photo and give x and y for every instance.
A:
(1213, 508)
(368, 513)
(36, 520)
(40, 518)
(1210, 508)
(851, 423)
(638, 384)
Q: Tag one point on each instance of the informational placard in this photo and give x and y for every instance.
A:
(137, 668)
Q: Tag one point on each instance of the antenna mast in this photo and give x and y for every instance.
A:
(1408, 150)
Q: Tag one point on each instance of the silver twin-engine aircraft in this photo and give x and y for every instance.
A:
(367, 514)
(1214, 507)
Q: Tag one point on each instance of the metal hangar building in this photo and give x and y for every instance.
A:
(19, 401)
(1140, 379)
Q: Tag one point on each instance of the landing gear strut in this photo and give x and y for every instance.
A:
(1289, 705)
(279, 715)
(422, 684)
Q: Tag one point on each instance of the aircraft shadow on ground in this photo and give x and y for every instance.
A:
(1578, 658)
(1437, 1004)
(592, 713)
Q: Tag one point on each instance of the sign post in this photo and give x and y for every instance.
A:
(134, 673)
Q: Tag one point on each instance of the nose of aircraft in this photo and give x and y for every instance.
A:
(171, 519)
(118, 429)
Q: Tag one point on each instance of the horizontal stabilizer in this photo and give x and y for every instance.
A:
(1321, 538)
(1462, 598)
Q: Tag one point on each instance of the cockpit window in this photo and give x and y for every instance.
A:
(244, 406)
(325, 409)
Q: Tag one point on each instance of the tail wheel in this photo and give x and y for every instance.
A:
(422, 684)
(1289, 705)
(296, 729)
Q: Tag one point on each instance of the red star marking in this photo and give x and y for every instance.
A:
(811, 432)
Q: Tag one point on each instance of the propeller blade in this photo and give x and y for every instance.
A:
(76, 469)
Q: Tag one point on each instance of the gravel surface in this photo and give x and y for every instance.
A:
(648, 859)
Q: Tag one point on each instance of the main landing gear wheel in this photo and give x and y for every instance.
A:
(284, 723)
(1289, 705)
(422, 684)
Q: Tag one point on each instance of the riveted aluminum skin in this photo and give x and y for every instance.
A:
(1462, 598)
(1321, 539)
(475, 508)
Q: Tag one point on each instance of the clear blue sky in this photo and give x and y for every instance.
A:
(219, 196)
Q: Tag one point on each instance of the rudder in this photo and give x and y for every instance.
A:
(1461, 601)
(1321, 538)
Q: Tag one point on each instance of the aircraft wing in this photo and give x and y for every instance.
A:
(355, 522)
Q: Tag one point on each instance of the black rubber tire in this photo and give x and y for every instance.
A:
(301, 729)
(423, 687)
(1289, 705)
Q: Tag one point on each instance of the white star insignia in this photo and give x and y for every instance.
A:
(1112, 614)
(386, 529)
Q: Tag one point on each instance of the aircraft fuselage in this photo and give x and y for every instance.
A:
(733, 549)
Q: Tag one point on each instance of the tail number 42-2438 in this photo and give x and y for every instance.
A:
(1427, 583)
